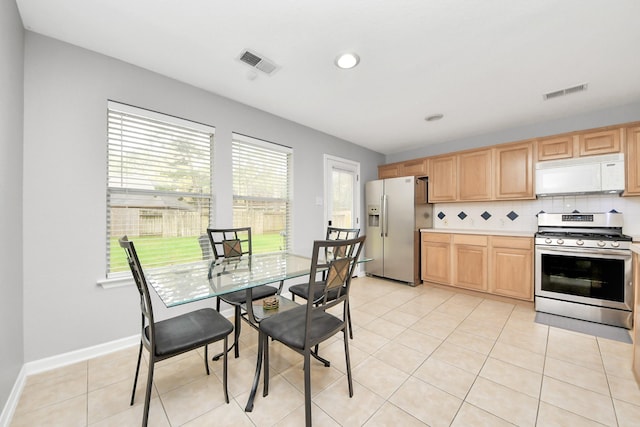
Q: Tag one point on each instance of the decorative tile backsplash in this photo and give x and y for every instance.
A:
(520, 216)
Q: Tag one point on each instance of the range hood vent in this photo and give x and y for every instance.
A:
(563, 92)
(257, 61)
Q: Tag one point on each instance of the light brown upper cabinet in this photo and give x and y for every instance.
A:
(442, 179)
(474, 175)
(601, 142)
(633, 161)
(391, 170)
(557, 147)
(417, 167)
(514, 171)
(579, 144)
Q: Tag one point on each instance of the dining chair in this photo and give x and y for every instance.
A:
(302, 290)
(171, 337)
(234, 243)
(304, 327)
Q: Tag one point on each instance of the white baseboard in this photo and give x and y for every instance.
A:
(58, 361)
(12, 402)
(80, 355)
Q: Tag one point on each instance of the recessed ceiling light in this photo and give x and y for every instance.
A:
(347, 60)
(434, 117)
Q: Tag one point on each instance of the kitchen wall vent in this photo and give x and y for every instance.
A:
(258, 62)
(563, 92)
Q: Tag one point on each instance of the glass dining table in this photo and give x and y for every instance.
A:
(208, 278)
(186, 283)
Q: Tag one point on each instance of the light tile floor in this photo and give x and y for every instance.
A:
(423, 356)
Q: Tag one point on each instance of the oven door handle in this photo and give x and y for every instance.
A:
(609, 253)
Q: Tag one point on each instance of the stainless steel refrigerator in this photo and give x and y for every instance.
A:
(396, 211)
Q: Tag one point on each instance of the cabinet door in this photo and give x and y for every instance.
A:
(633, 161)
(416, 167)
(511, 270)
(389, 171)
(436, 256)
(558, 147)
(474, 175)
(470, 261)
(602, 142)
(514, 171)
(442, 179)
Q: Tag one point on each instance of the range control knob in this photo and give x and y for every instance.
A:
(601, 244)
(579, 242)
(547, 241)
(615, 244)
(560, 242)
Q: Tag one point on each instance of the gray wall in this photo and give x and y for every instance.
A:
(610, 116)
(11, 84)
(66, 93)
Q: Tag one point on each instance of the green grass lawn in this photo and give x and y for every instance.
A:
(151, 250)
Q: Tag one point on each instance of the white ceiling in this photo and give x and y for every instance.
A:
(483, 64)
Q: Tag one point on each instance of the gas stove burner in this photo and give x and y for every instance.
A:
(584, 236)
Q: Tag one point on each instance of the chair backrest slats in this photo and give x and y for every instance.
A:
(146, 308)
(230, 242)
(338, 259)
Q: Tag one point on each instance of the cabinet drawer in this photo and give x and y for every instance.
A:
(512, 242)
(436, 237)
(470, 239)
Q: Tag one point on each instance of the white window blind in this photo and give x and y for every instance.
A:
(159, 187)
(262, 192)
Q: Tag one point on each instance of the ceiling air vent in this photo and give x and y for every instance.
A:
(563, 92)
(258, 62)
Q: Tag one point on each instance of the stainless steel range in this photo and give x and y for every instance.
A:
(583, 267)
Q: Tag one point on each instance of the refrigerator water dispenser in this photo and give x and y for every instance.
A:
(373, 214)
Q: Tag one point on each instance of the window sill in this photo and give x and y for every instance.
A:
(116, 282)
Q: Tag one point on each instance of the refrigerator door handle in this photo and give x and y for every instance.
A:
(385, 217)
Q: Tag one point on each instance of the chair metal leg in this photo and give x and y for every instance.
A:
(349, 321)
(256, 377)
(135, 379)
(147, 397)
(307, 387)
(206, 358)
(224, 369)
(236, 336)
(265, 391)
(348, 363)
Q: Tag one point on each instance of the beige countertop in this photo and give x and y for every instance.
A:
(635, 247)
(510, 233)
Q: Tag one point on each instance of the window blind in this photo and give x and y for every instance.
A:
(159, 187)
(262, 192)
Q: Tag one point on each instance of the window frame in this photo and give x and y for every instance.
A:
(239, 139)
(208, 197)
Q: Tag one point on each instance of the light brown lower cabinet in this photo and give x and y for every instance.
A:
(436, 257)
(500, 265)
(470, 261)
(511, 271)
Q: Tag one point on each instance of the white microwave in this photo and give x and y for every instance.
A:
(583, 175)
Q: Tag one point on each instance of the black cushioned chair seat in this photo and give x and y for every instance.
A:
(240, 297)
(189, 331)
(302, 291)
(288, 327)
